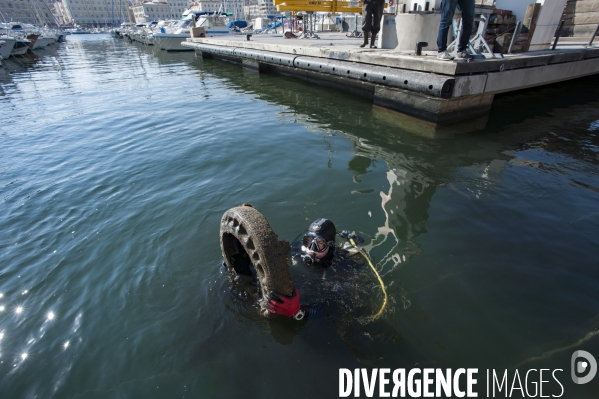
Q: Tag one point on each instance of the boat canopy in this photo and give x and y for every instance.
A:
(239, 24)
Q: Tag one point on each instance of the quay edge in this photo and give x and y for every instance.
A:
(420, 86)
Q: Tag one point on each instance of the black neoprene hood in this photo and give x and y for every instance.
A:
(323, 227)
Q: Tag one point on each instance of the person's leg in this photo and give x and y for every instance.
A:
(366, 22)
(377, 15)
(447, 11)
(467, 7)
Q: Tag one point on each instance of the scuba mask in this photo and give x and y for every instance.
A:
(315, 242)
(319, 238)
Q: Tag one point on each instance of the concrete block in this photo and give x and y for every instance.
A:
(255, 65)
(547, 23)
(498, 82)
(388, 35)
(425, 128)
(469, 85)
(197, 32)
(430, 108)
(542, 37)
(402, 31)
(202, 54)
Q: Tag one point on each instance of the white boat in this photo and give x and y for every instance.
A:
(215, 24)
(76, 31)
(7, 43)
(21, 46)
(43, 41)
(170, 38)
(13, 31)
(145, 33)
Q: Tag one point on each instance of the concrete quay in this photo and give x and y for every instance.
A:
(441, 92)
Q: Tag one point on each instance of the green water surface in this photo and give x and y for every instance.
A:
(117, 162)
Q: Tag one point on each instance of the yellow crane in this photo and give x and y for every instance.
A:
(331, 6)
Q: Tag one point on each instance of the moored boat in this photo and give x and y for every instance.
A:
(7, 43)
(21, 46)
(43, 41)
(170, 38)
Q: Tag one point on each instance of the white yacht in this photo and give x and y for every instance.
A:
(7, 43)
(15, 32)
(43, 41)
(145, 34)
(214, 24)
(22, 45)
(170, 38)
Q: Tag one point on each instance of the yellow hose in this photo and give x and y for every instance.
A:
(374, 316)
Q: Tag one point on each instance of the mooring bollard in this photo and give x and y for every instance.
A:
(248, 37)
(419, 46)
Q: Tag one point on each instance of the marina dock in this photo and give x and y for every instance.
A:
(441, 92)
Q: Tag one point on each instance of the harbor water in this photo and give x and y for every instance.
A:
(118, 161)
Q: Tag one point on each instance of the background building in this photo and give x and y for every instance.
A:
(39, 12)
(151, 11)
(157, 10)
(177, 8)
(93, 12)
(260, 8)
(206, 5)
(232, 6)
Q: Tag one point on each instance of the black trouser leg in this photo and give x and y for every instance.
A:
(366, 22)
(365, 39)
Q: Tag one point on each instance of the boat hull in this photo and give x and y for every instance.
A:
(33, 39)
(6, 47)
(20, 48)
(171, 42)
(43, 41)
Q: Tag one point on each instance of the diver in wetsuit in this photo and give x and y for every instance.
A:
(318, 248)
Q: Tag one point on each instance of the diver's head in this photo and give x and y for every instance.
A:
(319, 238)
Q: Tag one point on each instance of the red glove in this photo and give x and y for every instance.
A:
(282, 305)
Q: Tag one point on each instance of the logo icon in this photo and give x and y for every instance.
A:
(579, 366)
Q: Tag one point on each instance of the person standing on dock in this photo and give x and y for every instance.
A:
(448, 8)
(372, 12)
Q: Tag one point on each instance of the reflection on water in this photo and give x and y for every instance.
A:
(120, 160)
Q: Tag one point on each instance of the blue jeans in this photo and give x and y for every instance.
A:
(447, 10)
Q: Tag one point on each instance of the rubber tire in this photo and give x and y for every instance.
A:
(246, 239)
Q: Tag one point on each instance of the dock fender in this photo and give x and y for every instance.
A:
(250, 247)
